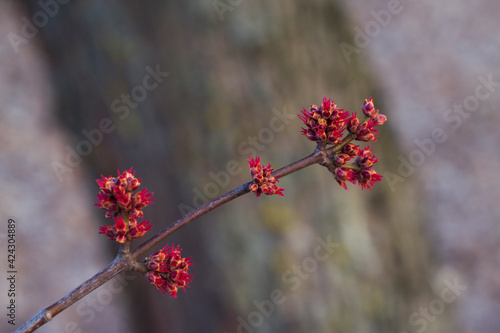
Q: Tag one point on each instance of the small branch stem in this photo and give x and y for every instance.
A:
(126, 260)
(125, 248)
(44, 316)
(314, 158)
(335, 149)
(202, 210)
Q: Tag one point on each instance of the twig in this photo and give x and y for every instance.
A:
(127, 261)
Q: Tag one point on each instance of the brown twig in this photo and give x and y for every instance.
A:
(127, 260)
(44, 316)
(237, 192)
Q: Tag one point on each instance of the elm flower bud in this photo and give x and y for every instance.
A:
(168, 271)
(353, 123)
(123, 231)
(368, 107)
(366, 131)
(351, 149)
(342, 175)
(341, 159)
(116, 195)
(324, 124)
(366, 176)
(381, 119)
(263, 182)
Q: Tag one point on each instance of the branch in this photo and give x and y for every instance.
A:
(44, 316)
(314, 158)
(324, 122)
(125, 261)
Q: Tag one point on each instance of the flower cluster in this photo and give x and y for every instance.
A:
(360, 171)
(327, 124)
(122, 231)
(366, 176)
(263, 182)
(168, 271)
(365, 131)
(117, 197)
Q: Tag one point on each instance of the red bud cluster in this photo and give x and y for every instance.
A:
(360, 171)
(263, 182)
(328, 127)
(168, 271)
(117, 197)
(325, 123)
(365, 130)
(122, 231)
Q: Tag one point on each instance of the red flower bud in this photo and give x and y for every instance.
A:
(168, 271)
(368, 107)
(381, 119)
(325, 124)
(263, 182)
(351, 149)
(342, 175)
(353, 123)
(117, 197)
(122, 231)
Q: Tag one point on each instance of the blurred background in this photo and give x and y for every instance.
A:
(185, 91)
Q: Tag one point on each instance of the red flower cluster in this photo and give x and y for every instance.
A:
(365, 131)
(325, 123)
(360, 172)
(168, 271)
(123, 231)
(263, 182)
(366, 176)
(117, 197)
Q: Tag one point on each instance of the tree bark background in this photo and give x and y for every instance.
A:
(234, 74)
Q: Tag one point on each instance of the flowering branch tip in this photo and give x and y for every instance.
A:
(326, 125)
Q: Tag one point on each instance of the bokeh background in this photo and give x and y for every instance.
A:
(419, 253)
